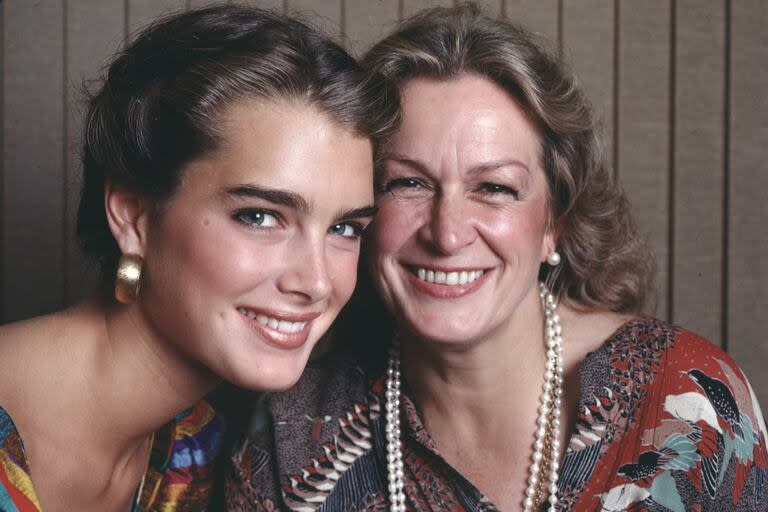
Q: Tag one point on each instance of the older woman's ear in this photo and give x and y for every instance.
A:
(127, 214)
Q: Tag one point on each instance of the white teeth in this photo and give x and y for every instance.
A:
(448, 278)
(273, 323)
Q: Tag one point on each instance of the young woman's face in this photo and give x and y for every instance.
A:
(462, 226)
(253, 257)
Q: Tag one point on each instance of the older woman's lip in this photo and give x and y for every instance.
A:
(437, 285)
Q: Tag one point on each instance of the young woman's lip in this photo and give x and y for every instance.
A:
(284, 315)
(281, 339)
(443, 291)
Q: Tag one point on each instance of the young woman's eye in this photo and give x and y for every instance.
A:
(347, 230)
(260, 219)
(495, 188)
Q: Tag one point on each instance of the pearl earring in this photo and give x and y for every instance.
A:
(553, 258)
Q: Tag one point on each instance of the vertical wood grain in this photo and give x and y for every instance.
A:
(538, 16)
(33, 158)
(492, 7)
(698, 166)
(141, 12)
(325, 14)
(643, 134)
(366, 21)
(748, 183)
(94, 32)
(199, 4)
(273, 5)
(411, 7)
(588, 45)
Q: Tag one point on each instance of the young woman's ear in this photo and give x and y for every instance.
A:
(127, 213)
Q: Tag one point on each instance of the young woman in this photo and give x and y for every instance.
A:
(228, 177)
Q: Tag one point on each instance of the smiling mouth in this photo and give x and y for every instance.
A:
(283, 326)
(282, 330)
(453, 278)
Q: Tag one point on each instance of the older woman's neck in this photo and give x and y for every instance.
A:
(478, 380)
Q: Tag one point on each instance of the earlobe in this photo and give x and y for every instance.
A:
(549, 244)
(127, 217)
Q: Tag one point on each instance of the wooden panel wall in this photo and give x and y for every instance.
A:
(677, 84)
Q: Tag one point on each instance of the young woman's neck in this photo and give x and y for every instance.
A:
(145, 379)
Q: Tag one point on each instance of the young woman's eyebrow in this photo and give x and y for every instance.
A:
(356, 213)
(276, 196)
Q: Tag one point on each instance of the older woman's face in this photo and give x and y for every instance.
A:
(462, 223)
(256, 253)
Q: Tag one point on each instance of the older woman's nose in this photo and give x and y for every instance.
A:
(449, 228)
(305, 272)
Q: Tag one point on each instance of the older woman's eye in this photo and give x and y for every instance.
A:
(495, 188)
(258, 219)
(402, 185)
(351, 230)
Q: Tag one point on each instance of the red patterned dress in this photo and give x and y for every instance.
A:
(668, 422)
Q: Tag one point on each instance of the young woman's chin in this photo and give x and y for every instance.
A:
(265, 377)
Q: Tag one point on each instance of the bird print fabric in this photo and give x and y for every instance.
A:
(667, 422)
(678, 428)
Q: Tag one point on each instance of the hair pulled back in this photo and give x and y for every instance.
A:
(161, 104)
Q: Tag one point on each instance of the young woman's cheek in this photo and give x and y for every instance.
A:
(342, 267)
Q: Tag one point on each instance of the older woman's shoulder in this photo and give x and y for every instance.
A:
(670, 346)
(672, 420)
(326, 387)
(301, 440)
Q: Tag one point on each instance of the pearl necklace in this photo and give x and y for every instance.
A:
(547, 445)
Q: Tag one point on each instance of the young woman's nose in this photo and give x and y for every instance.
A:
(306, 271)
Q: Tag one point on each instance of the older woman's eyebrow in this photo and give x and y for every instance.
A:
(356, 213)
(497, 164)
(276, 196)
(404, 160)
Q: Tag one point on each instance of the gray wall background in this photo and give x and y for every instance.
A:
(680, 86)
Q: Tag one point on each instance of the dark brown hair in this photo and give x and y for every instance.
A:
(161, 104)
(605, 264)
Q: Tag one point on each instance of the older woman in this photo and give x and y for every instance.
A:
(228, 177)
(507, 256)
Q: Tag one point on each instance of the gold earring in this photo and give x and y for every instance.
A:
(128, 279)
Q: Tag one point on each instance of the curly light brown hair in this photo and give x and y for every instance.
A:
(605, 265)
